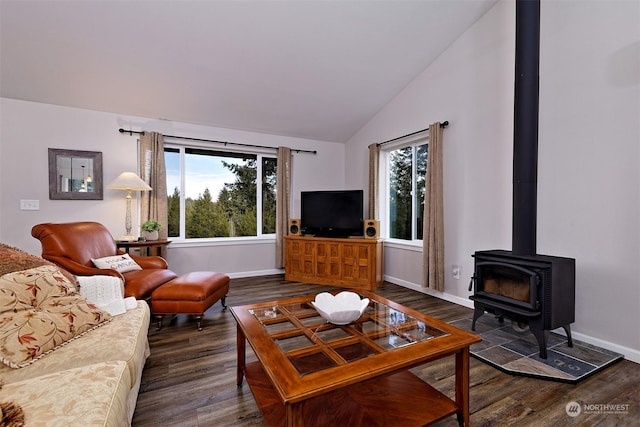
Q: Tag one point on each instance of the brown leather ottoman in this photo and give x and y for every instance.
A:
(191, 293)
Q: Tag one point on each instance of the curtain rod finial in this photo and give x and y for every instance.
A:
(445, 123)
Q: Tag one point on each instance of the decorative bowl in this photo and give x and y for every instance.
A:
(340, 309)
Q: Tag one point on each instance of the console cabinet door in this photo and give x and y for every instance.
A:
(328, 256)
(299, 258)
(356, 262)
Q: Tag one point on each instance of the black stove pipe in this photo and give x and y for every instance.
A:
(525, 127)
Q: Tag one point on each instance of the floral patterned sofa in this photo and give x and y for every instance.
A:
(65, 361)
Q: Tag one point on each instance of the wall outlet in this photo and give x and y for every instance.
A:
(29, 205)
(455, 270)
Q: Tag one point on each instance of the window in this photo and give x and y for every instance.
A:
(404, 199)
(214, 194)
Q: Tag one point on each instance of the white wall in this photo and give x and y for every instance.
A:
(27, 129)
(589, 180)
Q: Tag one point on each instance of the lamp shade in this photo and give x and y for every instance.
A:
(128, 181)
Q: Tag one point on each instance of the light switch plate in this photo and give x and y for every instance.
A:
(29, 205)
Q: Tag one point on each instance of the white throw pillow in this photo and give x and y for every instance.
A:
(120, 263)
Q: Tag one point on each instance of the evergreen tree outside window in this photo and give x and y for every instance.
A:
(421, 158)
(269, 168)
(407, 167)
(214, 194)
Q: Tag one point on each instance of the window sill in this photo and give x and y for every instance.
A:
(403, 244)
(225, 241)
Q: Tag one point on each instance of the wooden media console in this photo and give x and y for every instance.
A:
(349, 262)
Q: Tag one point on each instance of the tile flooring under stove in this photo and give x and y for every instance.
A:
(516, 352)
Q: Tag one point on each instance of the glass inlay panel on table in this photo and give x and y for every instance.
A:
(265, 313)
(313, 320)
(285, 325)
(293, 343)
(331, 334)
(370, 327)
(406, 332)
(354, 351)
(312, 363)
(421, 332)
(392, 341)
(300, 310)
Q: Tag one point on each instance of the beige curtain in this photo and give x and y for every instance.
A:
(433, 231)
(152, 171)
(374, 165)
(283, 201)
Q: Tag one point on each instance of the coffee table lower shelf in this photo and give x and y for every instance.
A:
(399, 399)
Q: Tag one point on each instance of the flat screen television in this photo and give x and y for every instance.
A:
(332, 213)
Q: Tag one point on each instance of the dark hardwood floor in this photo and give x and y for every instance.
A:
(190, 377)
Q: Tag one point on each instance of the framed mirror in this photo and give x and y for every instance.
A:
(75, 175)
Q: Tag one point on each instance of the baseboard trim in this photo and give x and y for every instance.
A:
(442, 295)
(629, 353)
(242, 274)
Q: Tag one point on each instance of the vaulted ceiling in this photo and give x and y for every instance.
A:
(311, 69)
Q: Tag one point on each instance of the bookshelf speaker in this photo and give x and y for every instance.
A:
(371, 229)
(294, 227)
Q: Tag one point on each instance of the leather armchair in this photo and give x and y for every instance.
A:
(73, 245)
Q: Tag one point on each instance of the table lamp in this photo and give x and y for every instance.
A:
(128, 181)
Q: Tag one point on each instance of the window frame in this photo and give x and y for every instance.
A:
(384, 180)
(260, 154)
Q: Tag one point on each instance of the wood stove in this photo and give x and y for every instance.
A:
(534, 291)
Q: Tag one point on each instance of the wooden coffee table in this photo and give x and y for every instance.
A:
(313, 373)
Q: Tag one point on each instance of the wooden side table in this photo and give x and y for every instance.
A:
(147, 248)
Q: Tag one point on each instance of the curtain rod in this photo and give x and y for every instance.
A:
(443, 124)
(131, 132)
